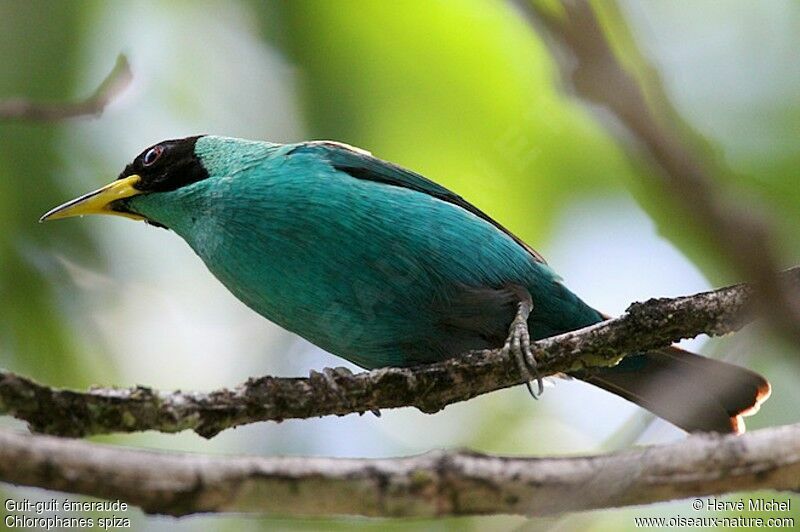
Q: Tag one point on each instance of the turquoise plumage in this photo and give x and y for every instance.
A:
(381, 266)
(377, 286)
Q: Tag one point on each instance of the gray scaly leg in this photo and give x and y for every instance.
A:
(518, 343)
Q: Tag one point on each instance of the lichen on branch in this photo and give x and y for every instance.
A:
(649, 325)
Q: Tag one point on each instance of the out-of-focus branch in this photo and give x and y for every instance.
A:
(117, 81)
(433, 484)
(649, 325)
(594, 73)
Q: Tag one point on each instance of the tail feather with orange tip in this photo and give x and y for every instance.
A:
(696, 393)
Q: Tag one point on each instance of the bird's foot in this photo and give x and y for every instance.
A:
(518, 344)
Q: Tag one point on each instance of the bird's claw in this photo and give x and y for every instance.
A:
(518, 344)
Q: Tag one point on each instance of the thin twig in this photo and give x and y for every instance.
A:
(653, 324)
(117, 81)
(594, 73)
(434, 484)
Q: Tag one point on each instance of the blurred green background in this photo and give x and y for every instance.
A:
(463, 91)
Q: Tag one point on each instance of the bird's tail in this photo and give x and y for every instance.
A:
(693, 392)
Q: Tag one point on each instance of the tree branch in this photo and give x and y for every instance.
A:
(649, 325)
(117, 81)
(434, 484)
(594, 73)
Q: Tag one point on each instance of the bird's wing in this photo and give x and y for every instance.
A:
(362, 165)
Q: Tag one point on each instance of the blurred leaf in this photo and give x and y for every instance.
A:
(462, 92)
(38, 47)
(697, 62)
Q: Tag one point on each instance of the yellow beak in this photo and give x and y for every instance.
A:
(98, 202)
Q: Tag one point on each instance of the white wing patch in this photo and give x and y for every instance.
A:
(336, 144)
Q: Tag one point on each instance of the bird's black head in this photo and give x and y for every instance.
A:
(168, 165)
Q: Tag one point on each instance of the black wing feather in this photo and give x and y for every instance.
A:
(362, 165)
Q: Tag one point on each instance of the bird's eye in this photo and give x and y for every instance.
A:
(152, 155)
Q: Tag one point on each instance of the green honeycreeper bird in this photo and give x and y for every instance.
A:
(383, 267)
